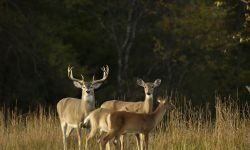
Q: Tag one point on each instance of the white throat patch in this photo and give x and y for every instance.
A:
(88, 98)
(149, 96)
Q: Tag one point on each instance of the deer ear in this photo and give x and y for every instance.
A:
(77, 84)
(157, 82)
(159, 99)
(97, 85)
(140, 82)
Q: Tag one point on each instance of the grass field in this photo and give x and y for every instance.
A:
(186, 127)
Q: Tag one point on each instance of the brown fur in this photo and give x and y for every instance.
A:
(120, 122)
(145, 106)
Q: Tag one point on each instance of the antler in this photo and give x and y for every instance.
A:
(105, 74)
(70, 75)
(248, 88)
(245, 1)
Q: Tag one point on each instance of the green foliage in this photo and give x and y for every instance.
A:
(195, 43)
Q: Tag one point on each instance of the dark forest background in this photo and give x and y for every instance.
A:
(199, 48)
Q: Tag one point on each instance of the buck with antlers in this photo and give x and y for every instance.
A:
(120, 122)
(72, 111)
(145, 106)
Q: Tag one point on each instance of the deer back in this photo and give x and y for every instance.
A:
(116, 105)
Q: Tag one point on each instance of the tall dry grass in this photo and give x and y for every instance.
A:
(185, 128)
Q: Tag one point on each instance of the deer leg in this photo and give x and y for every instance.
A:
(90, 135)
(121, 140)
(79, 135)
(142, 141)
(146, 141)
(100, 139)
(64, 129)
(107, 138)
(138, 142)
(68, 131)
(117, 143)
(86, 142)
(101, 143)
(108, 146)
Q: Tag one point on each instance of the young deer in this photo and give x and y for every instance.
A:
(140, 107)
(97, 120)
(119, 122)
(72, 111)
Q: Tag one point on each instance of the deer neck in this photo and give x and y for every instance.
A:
(87, 102)
(88, 97)
(148, 103)
(158, 114)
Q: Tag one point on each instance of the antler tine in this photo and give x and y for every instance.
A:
(70, 74)
(105, 70)
(82, 77)
(105, 74)
(93, 78)
(248, 88)
(69, 70)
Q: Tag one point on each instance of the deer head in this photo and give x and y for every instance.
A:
(149, 86)
(165, 103)
(88, 87)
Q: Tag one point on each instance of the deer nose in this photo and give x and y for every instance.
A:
(148, 93)
(87, 92)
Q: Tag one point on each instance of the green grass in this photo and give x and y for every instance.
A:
(184, 128)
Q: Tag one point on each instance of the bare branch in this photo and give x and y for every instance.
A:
(131, 31)
(111, 32)
(129, 25)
